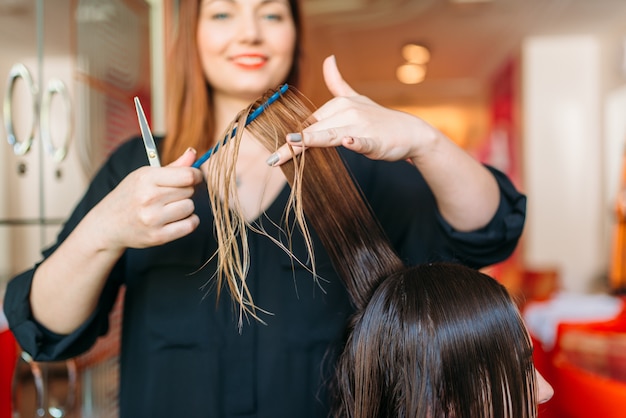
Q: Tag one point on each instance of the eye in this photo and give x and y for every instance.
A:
(276, 17)
(217, 10)
(220, 16)
(274, 11)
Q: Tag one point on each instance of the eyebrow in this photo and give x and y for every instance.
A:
(286, 2)
(214, 1)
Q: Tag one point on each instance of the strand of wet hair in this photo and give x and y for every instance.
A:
(321, 188)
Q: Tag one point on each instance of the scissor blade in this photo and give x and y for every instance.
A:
(148, 140)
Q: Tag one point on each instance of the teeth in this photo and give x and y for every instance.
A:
(249, 60)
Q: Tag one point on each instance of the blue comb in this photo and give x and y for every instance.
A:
(252, 116)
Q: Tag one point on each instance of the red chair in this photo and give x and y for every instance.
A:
(583, 394)
(588, 367)
(8, 358)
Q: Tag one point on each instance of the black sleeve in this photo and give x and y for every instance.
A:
(43, 344)
(496, 241)
(406, 208)
(34, 338)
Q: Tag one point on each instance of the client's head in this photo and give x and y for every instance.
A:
(439, 340)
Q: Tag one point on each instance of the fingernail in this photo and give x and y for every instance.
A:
(192, 150)
(273, 159)
(294, 137)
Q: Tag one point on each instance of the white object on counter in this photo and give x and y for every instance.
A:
(543, 318)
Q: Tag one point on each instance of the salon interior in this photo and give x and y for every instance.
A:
(536, 88)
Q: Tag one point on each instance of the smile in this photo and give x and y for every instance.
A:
(249, 61)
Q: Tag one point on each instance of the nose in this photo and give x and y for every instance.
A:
(544, 389)
(250, 30)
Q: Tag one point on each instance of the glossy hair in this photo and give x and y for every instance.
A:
(189, 112)
(437, 340)
(431, 341)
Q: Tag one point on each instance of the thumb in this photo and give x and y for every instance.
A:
(185, 160)
(334, 81)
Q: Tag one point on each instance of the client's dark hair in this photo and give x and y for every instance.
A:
(435, 340)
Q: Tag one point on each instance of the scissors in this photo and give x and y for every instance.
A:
(148, 140)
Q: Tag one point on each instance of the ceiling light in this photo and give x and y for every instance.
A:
(415, 54)
(469, 1)
(411, 73)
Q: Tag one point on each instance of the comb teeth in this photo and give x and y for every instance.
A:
(252, 116)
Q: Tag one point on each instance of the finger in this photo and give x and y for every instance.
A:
(185, 160)
(170, 195)
(182, 227)
(360, 145)
(330, 137)
(181, 178)
(156, 216)
(175, 230)
(171, 176)
(334, 81)
(177, 210)
(284, 154)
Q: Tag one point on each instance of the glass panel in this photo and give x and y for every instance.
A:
(113, 66)
(19, 180)
(62, 177)
(81, 63)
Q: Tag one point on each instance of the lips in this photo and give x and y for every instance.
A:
(249, 61)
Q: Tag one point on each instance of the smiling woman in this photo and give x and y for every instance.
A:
(149, 231)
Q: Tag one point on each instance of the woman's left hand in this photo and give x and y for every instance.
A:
(467, 194)
(359, 124)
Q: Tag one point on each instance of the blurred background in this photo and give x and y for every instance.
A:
(536, 88)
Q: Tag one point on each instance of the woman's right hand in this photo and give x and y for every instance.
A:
(151, 206)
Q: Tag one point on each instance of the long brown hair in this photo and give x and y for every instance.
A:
(335, 209)
(189, 109)
(430, 341)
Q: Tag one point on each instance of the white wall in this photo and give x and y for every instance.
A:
(615, 147)
(562, 158)
(157, 55)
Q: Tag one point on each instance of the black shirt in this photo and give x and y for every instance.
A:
(182, 353)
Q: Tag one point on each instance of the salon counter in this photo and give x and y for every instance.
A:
(580, 347)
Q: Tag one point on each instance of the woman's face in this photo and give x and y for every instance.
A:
(245, 46)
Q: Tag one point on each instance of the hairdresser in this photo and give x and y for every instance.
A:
(149, 230)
